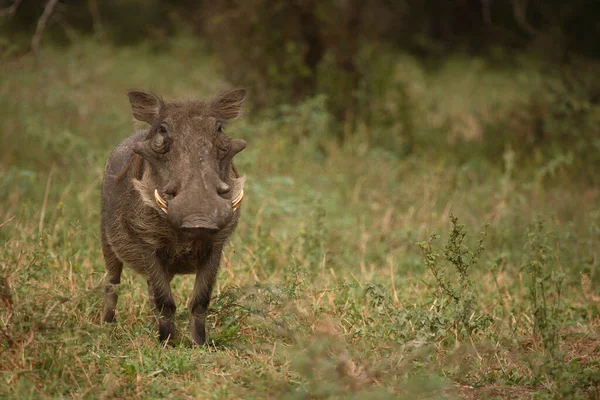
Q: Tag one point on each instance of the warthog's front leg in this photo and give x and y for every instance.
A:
(114, 268)
(200, 300)
(163, 305)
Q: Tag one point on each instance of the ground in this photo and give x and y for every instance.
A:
(332, 286)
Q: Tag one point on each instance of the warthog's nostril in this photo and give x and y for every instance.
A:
(223, 188)
(170, 192)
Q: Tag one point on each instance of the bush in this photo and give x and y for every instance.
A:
(559, 126)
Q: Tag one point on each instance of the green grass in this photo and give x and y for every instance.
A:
(324, 291)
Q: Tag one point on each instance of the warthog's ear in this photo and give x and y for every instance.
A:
(145, 106)
(227, 105)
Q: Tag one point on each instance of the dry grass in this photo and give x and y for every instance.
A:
(323, 292)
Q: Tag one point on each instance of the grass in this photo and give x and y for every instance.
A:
(324, 291)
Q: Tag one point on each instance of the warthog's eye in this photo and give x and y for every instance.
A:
(160, 143)
(222, 142)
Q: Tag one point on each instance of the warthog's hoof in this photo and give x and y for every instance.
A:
(109, 316)
(199, 332)
(167, 332)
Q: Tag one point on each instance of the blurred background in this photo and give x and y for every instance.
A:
(354, 55)
(422, 210)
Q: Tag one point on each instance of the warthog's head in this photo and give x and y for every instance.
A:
(189, 178)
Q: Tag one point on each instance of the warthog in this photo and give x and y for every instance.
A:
(170, 201)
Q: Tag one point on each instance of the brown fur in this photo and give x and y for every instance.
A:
(136, 164)
(187, 159)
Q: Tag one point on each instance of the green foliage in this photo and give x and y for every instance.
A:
(457, 300)
(545, 288)
(570, 123)
(314, 238)
(272, 65)
(384, 102)
(307, 121)
(556, 129)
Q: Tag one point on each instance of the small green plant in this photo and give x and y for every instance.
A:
(545, 286)
(457, 298)
(545, 289)
(313, 238)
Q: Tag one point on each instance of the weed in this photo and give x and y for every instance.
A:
(545, 288)
(457, 298)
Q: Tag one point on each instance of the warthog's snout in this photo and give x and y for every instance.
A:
(197, 215)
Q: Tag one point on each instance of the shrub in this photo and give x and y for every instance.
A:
(558, 127)
(457, 299)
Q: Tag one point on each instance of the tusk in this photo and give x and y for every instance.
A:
(159, 200)
(235, 203)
